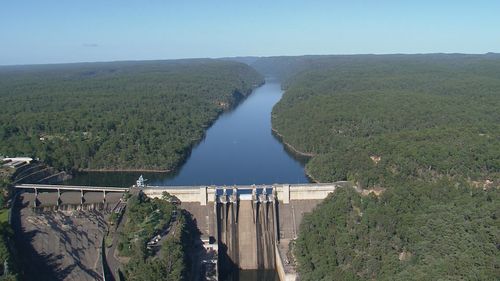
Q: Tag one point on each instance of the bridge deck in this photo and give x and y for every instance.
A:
(71, 187)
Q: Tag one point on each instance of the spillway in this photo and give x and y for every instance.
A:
(250, 226)
(246, 233)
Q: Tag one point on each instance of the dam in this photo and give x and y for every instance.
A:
(251, 225)
(250, 230)
(246, 229)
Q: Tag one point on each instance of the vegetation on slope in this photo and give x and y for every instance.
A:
(120, 115)
(6, 232)
(424, 117)
(435, 231)
(5, 185)
(147, 218)
(426, 129)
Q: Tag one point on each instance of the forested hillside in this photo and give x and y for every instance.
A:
(424, 130)
(421, 231)
(284, 67)
(7, 257)
(147, 218)
(389, 117)
(119, 115)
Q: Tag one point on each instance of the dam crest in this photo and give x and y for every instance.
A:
(251, 225)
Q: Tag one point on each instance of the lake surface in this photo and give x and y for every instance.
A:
(239, 148)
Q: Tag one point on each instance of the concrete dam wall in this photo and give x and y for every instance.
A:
(246, 234)
(252, 225)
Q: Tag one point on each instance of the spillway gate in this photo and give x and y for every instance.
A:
(246, 227)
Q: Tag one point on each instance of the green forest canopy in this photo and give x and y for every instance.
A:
(146, 218)
(426, 128)
(424, 116)
(424, 231)
(119, 115)
(6, 232)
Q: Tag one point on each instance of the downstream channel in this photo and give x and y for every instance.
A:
(239, 148)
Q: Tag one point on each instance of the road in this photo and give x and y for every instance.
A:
(111, 253)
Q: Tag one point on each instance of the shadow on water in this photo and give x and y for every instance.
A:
(115, 179)
(238, 148)
(127, 178)
(302, 159)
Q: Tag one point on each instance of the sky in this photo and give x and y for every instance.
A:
(50, 31)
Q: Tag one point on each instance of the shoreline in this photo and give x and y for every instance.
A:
(291, 147)
(298, 152)
(310, 177)
(185, 155)
(104, 170)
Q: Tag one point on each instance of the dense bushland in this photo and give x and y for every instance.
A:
(8, 267)
(120, 115)
(146, 218)
(438, 231)
(424, 117)
(424, 128)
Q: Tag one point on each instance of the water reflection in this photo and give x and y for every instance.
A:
(239, 148)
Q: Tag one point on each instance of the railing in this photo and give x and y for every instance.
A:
(71, 187)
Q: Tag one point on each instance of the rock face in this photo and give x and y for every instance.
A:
(60, 245)
(405, 256)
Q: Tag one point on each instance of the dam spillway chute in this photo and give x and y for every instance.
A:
(246, 228)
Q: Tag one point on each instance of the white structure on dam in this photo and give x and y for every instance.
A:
(253, 225)
(207, 194)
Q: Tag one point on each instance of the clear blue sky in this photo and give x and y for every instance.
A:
(49, 31)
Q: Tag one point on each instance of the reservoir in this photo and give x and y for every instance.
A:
(239, 148)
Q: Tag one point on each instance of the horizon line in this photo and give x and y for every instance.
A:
(242, 56)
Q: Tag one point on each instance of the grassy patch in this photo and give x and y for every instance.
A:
(108, 241)
(4, 215)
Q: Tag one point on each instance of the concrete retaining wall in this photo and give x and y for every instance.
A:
(280, 267)
(285, 192)
(236, 229)
(202, 194)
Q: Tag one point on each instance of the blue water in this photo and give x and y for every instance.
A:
(238, 149)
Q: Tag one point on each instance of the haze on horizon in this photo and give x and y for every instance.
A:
(34, 32)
